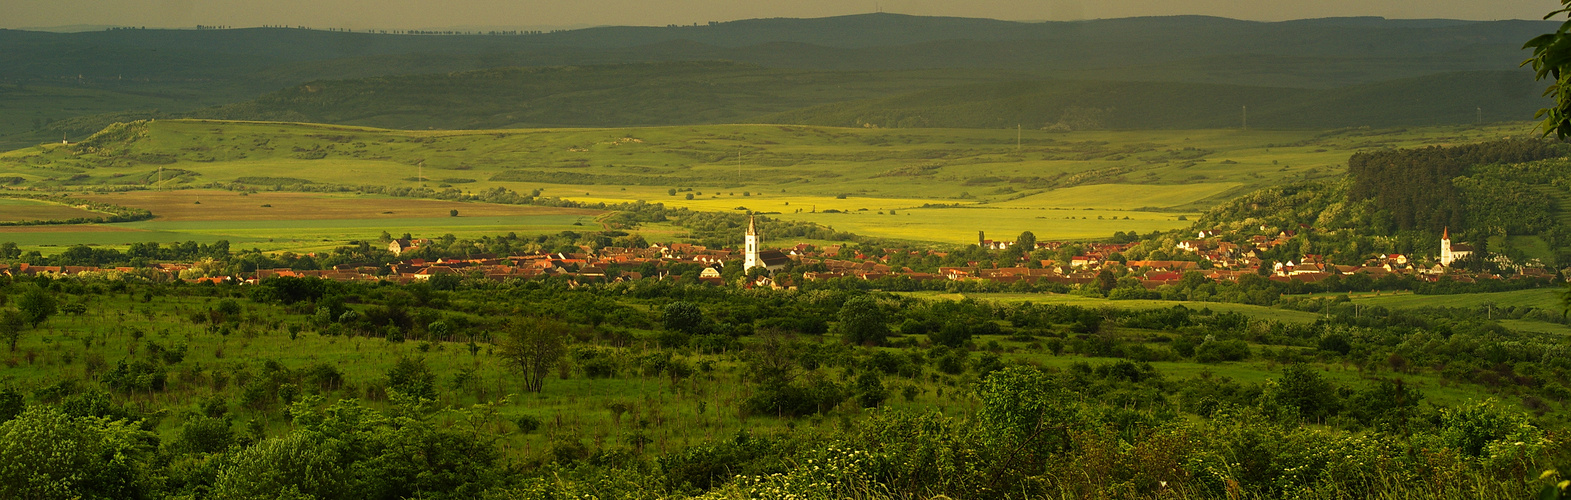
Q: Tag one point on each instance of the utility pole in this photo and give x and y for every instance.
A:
(1480, 114)
(421, 173)
(1246, 117)
(739, 165)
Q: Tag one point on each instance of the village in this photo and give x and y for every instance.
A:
(1210, 254)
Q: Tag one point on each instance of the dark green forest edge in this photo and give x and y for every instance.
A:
(843, 389)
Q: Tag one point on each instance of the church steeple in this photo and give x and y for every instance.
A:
(1446, 256)
(750, 251)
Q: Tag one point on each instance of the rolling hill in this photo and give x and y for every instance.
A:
(691, 93)
(1443, 99)
(177, 71)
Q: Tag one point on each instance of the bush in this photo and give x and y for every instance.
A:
(412, 377)
(1216, 351)
(870, 390)
(301, 463)
(527, 423)
(203, 434)
(814, 395)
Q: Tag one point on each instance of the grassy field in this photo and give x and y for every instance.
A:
(12, 209)
(211, 205)
(1543, 298)
(1075, 185)
(296, 221)
(1257, 312)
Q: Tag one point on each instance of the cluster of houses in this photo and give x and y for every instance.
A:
(1223, 261)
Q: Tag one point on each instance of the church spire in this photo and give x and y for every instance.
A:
(1446, 234)
(750, 247)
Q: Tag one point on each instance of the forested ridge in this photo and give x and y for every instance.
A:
(1416, 186)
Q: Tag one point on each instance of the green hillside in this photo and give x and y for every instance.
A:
(1078, 105)
(677, 93)
(179, 70)
(687, 93)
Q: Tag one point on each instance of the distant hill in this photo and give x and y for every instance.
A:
(177, 71)
(249, 57)
(717, 92)
(1454, 98)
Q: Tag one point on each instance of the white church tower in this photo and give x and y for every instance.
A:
(1446, 257)
(750, 257)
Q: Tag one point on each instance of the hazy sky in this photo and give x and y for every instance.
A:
(403, 14)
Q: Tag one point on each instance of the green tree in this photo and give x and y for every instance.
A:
(683, 317)
(870, 391)
(1026, 242)
(1026, 416)
(36, 305)
(862, 321)
(1304, 392)
(533, 346)
(438, 330)
(1552, 61)
(11, 324)
(47, 454)
(1105, 281)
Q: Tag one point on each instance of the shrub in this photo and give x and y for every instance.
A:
(413, 378)
(1216, 351)
(203, 434)
(527, 423)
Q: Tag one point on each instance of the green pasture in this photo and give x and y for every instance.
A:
(1542, 298)
(960, 225)
(51, 242)
(1123, 196)
(295, 235)
(1258, 312)
(15, 209)
(1040, 181)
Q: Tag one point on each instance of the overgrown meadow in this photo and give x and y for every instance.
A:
(313, 389)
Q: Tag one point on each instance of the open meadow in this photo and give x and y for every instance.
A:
(20, 210)
(932, 185)
(300, 222)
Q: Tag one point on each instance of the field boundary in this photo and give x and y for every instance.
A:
(112, 213)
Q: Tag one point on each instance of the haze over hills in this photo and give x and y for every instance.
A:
(46, 77)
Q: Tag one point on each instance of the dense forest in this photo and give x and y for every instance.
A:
(1415, 188)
